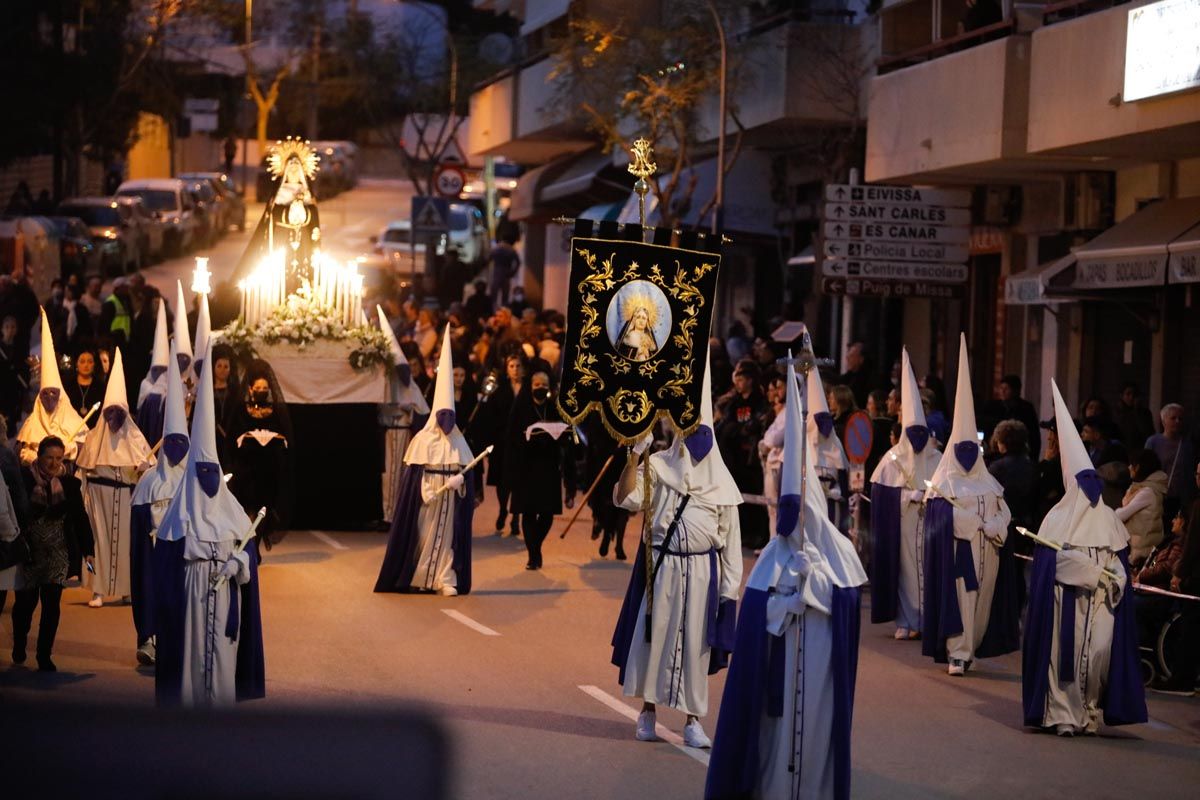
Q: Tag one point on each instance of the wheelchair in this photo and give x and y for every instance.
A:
(1156, 656)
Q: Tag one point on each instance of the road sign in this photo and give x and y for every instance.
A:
(895, 232)
(897, 251)
(894, 270)
(858, 438)
(842, 193)
(430, 214)
(863, 287)
(449, 180)
(898, 212)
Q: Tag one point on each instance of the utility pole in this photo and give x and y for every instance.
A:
(719, 204)
(315, 82)
(248, 121)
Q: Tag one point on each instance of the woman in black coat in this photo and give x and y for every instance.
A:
(491, 423)
(60, 542)
(260, 442)
(538, 460)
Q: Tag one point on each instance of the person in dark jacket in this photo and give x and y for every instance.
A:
(261, 442)
(14, 375)
(1010, 405)
(1186, 580)
(60, 540)
(537, 456)
(608, 519)
(491, 423)
(738, 432)
(1049, 487)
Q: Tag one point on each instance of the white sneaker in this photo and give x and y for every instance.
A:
(901, 634)
(956, 668)
(96, 602)
(1065, 730)
(448, 591)
(145, 653)
(645, 727)
(694, 736)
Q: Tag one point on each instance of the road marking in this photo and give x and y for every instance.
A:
(624, 710)
(329, 540)
(470, 623)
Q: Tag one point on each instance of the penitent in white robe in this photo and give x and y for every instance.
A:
(1077, 703)
(396, 441)
(108, 510)
(435, 524)
(975, 607)
(672, 669)
(209, 656)
(912, 534)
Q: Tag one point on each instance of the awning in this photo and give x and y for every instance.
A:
(564, 186)
(524, 197)
(1029, 287)
(586, 173)
(604, 212)
(1185, 257)
(805, 258)
(541, 14)
(1133, 252)
(749, 208)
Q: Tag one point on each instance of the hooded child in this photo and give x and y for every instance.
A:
(403, 410)
(52, 413)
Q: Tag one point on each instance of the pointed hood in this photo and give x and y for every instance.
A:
(203, 332)
(823, 543)
(122, 446)
(823, 441)
(219, 518)
(1079, 519)
(433, 444)
(63, 422)
(903, 465)
(706, 478)
(183, 342)
(161, 483)
(155, 380)
(402, 389)
(961, 472)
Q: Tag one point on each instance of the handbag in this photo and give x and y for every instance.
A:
(14, 552)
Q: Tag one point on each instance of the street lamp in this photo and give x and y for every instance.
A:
(719, 205)
(246, 127)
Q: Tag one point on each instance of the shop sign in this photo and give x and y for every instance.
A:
(1162, 49)
(1118, 272)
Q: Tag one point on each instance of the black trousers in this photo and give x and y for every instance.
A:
(503, 493)
(26, 601)
(535, 527)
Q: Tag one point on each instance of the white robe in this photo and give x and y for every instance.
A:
(1077, 703)
(672, 669)
(209, 656)
(396, 442)
(108, 510)
(435, 524)
(912, 533)
(805, 730)
(975, 607)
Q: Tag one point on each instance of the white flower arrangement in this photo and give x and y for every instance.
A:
(303, 322)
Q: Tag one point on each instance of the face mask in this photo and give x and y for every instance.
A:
(49, 398)
(404, 374)
(115, 417)
(699, 442)
(209, 476)
(966, 453)
(260, 397)
(541, 394)
(174, 447)
(445, 420)
(184, 360)
(918, 437)
(156, 373)
(824, 422)
(1091, 484)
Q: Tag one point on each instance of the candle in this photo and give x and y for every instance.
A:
(242, 289)
(201, 276)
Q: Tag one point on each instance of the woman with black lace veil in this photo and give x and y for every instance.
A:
(260, 441)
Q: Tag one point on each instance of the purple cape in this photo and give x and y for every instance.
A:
(400, 560)
(1124, 697)
(722, 613)
(151, 415)
(141, 585)
(754, 691)
(885, 553)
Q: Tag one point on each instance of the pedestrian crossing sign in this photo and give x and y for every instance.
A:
(430, 214)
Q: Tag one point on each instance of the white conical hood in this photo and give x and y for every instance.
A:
(408, 397)
(203, 332)
(950, 479)
(158, 358)
(707, 480)
(219, 518)
(65, 422)
(161, 482)
(124, 447)
(912, 411)
(828, 450)
(1074, 520)
(430, 446)
(183, 342)
(903, 466)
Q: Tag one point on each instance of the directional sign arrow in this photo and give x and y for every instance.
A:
(896, 232)
(897, 251)
(895, 270)
(899, 212)
(954, 198)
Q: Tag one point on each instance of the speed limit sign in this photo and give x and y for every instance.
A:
(449, 180)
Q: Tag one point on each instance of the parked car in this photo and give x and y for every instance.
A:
(468, 232)
(150, 228)
(233, 207)
(78, 255)
(39, 242)
(171, 201)
(113, 230)
(396, 246)
(209, 211)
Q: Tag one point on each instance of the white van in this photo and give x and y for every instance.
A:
(170, 200)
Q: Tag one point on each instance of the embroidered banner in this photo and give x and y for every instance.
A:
(638, 321)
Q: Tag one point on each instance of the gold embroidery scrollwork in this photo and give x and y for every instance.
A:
(630, 407)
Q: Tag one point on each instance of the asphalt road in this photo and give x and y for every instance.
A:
(518, 671)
